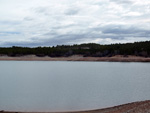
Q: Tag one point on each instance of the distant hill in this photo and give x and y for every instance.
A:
(89, 49)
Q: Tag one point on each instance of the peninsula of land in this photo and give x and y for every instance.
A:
(117, 58)
(134, 107)
(129, 52)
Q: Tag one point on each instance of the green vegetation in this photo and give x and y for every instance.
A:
(90, 49)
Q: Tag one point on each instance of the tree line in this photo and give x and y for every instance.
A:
(89, 49)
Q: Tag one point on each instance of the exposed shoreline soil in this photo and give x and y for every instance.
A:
(134, 107)
(117, 58)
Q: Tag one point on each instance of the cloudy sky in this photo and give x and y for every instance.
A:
(57, 22)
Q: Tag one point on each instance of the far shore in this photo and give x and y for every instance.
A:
(134, 107)
(117, 58)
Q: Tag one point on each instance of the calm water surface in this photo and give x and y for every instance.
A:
(65, 86)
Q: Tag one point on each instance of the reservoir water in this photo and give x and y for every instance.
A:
(71, 86)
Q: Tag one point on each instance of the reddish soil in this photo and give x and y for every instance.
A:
(135, 107)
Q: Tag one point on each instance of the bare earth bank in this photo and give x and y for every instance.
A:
(135, 107)
(117, 58)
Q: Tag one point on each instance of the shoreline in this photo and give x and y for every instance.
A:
(134, 107)
(117, 58)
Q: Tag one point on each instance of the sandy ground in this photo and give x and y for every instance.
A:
(117, 58)
(135, 107)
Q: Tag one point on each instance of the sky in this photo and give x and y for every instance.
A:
(31, 23)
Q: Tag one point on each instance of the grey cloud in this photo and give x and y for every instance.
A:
(53, 38)
(118, 32)
(63, 27)
(122, 1)
(122, 30)
(99, 3)
(5, 33)
(114, 32)
(72, 12)
(64, 22)
(28, 19)
(48, 10)
(58, 40)
(9, 22)
(42, 10)
(77, 37)
(20, 43)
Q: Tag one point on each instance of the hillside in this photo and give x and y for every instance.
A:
(86, 50)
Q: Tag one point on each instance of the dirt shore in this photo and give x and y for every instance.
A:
(117, 58)
(135, 107)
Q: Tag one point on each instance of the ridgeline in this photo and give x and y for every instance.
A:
(87, 50)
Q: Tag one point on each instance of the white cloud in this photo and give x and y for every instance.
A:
(51, 22)
(132, 14)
